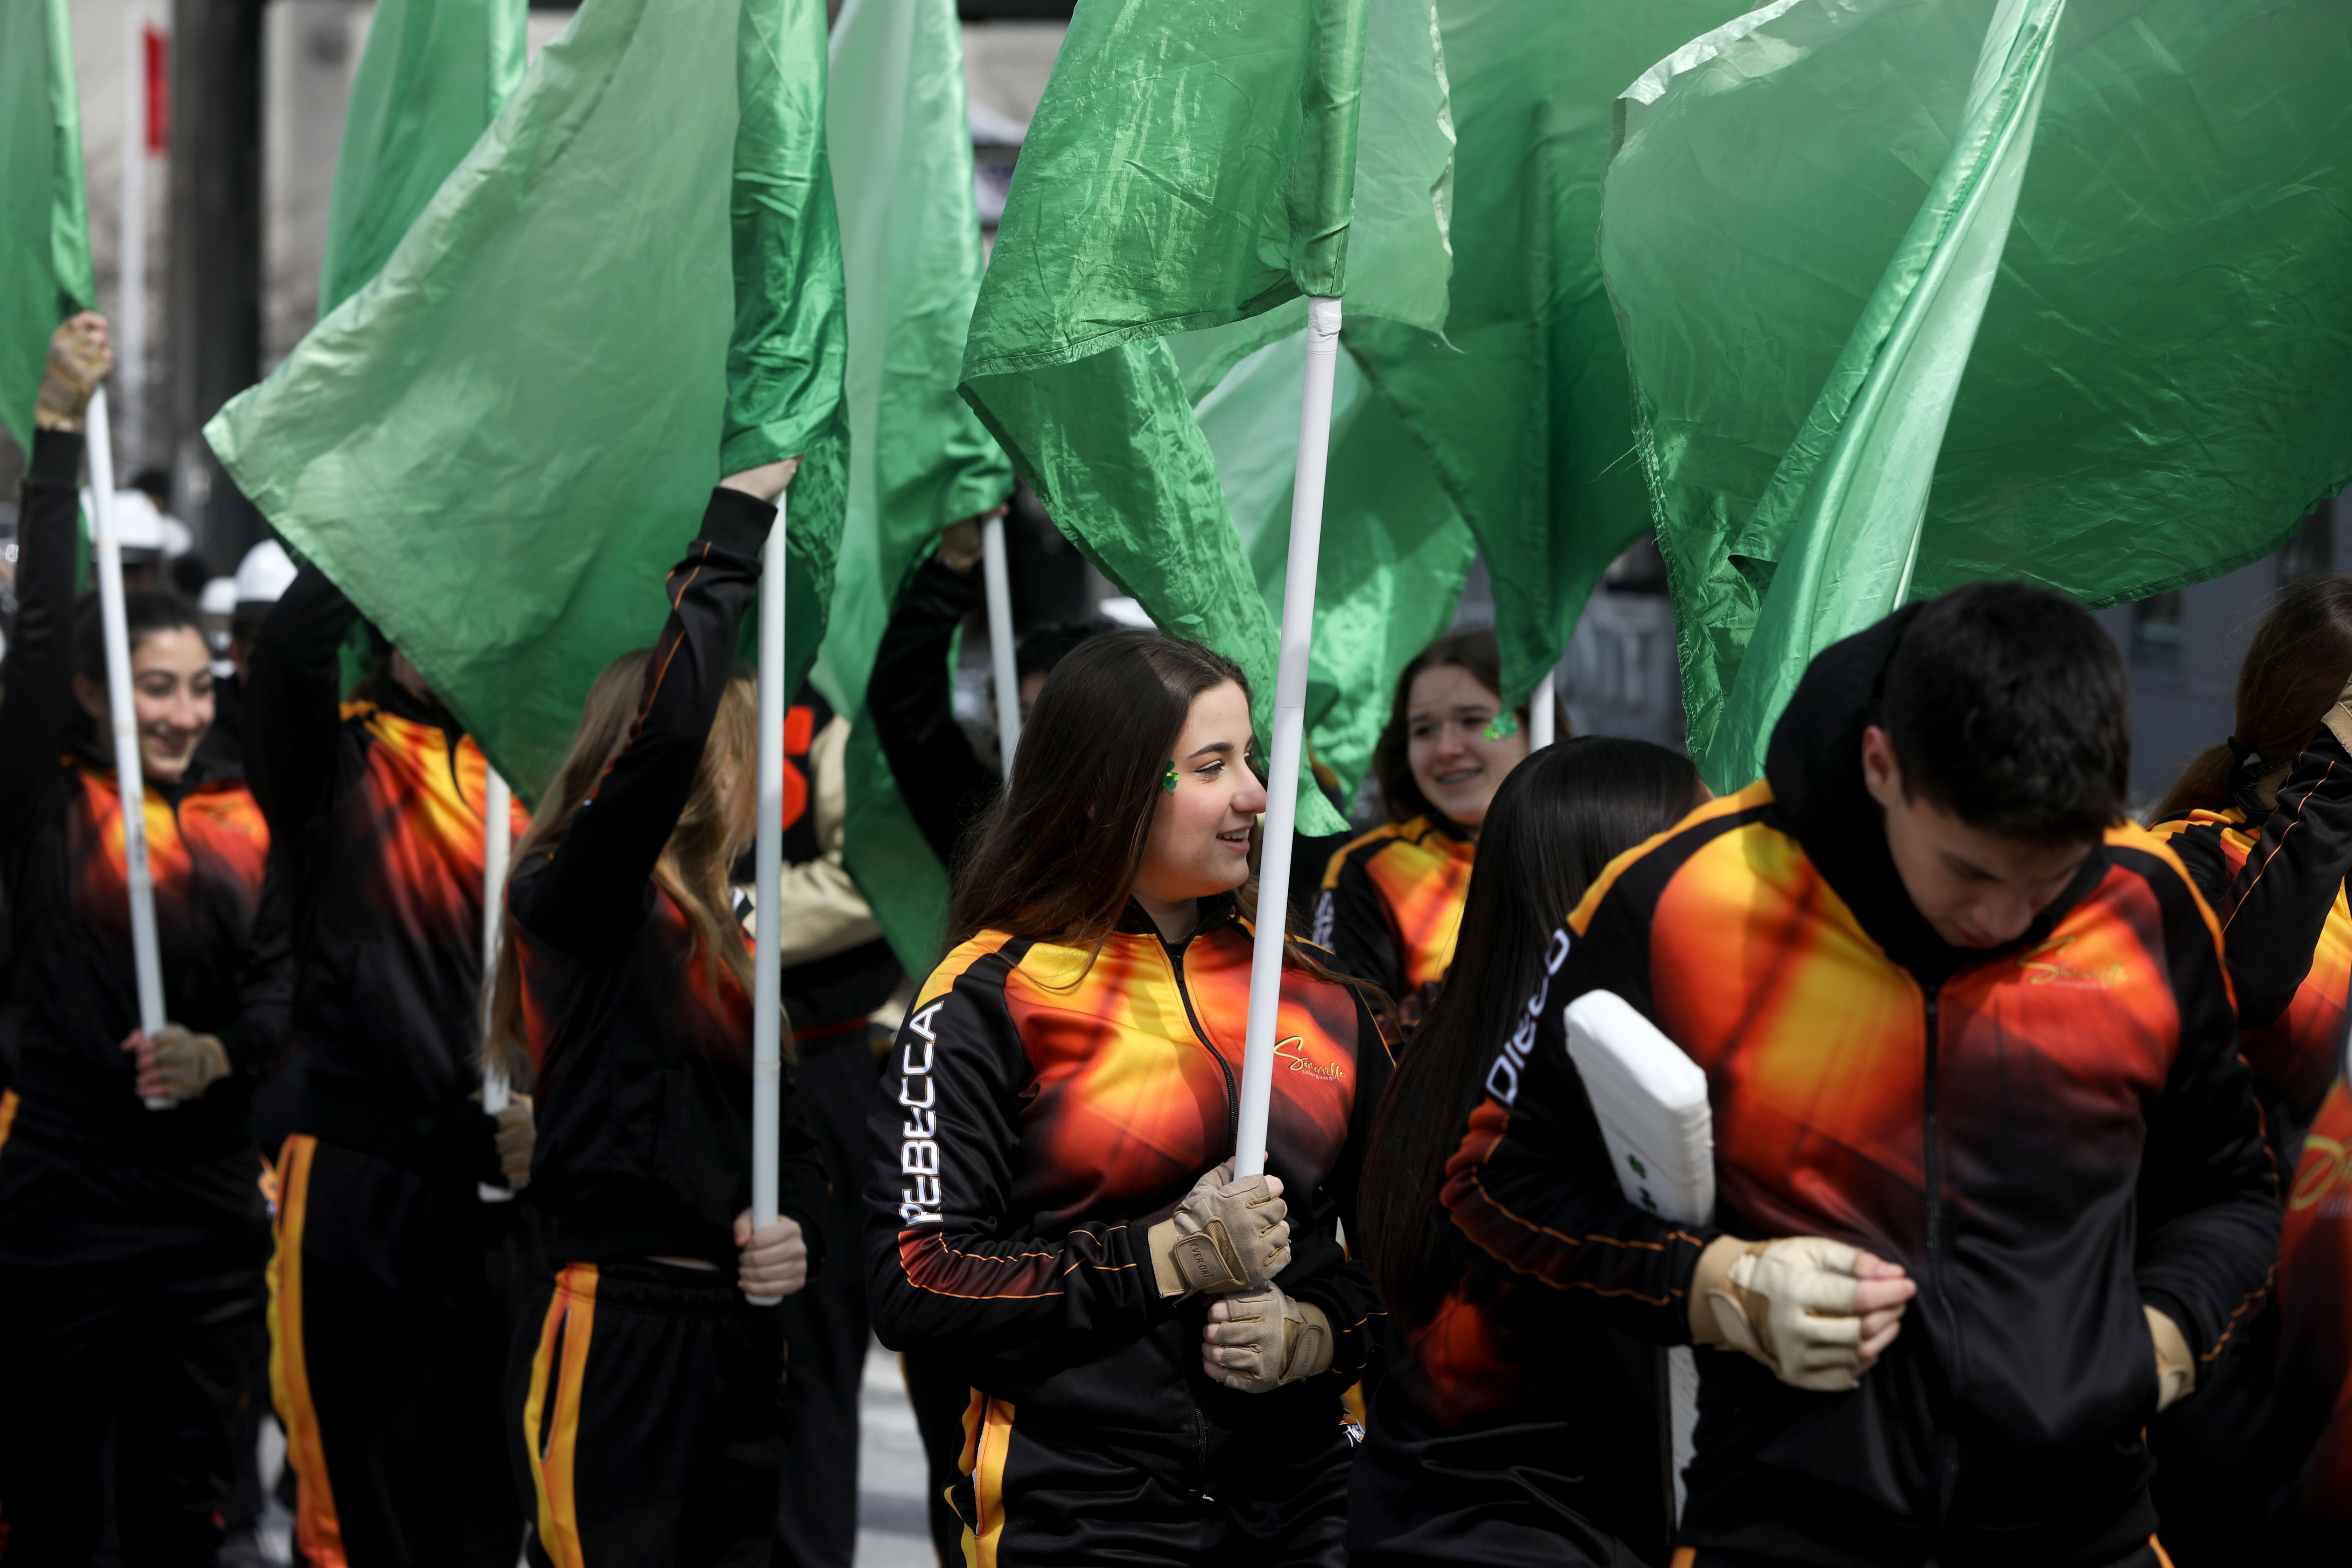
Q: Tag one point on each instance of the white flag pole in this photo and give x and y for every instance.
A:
(1540, 725)
(1289, 739)
(130, 782)
(1000, 638)
(767, 995)
(497, 851)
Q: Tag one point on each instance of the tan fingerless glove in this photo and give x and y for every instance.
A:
(187, 1062)
(1225, 1236)
(77, 362)
(1270, 1339)
(517, 1130)
(1790, 1303)
(2175, 1367)
(2338, 720)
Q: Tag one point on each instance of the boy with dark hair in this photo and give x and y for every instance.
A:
(1991, 1180)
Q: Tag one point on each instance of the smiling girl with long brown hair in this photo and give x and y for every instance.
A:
(1050, 1199)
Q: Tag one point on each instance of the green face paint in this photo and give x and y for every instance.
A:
(1502, 727)
(1168, 779)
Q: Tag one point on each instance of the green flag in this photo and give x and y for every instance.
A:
(1396, 550)
(434, 75)
(1838, 528)
(1192, 168)
(44, 218)
(1522, 406)
(901, 147)
(2162, 384)
(499, 446)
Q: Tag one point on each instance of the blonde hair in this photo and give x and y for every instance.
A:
(694, 865)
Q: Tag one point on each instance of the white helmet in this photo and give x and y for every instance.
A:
(262, 577)
(218, 598)
(139, 528)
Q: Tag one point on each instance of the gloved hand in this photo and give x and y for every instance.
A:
(178, 1064)
(2176, 1368)
(1225, 1236)
(1261, 1339)
(959, 543)
(2338, 720)
(518, 1131)
(774, 1260)
(79, 357)
(1817, 1311)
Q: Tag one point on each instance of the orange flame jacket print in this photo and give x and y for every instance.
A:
(1391, 906)
(1042, 1109)
(2044, 1135)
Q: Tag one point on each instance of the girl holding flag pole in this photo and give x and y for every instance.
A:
(1052, 1198)
(645, 1412)
(388, 1331)
(131, 1239)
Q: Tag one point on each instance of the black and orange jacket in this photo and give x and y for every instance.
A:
(2316, 1316)
(376, 807)
(2274, 876)
(1391, 905)
(1044, 1108)
(642, 1043)
(62, 862)
(2046, 1136)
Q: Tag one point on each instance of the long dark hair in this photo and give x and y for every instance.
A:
(1473, 651)
(2294, 666)
(1057, 855)
(1558, 819)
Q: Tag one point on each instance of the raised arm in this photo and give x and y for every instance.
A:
(36, 684)
(292, 701)
(2273, 909)
(910, 701)
(591, 895)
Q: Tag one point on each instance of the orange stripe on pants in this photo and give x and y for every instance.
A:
(7, 1114)
(988, 1437)
(550, 1435)
(316, 1529)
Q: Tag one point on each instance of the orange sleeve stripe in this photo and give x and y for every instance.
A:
(951, 968)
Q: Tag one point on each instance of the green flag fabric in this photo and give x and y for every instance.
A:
(2161, 383)
(902, 168)
(499, 446)
(1190, 169)
(44, 217)
(1838, 529)
(1522, 406)
(434, 75)
(1396, 550)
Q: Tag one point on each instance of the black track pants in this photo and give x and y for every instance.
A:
(2151, 1555)
(1034, 1496)
(824, 1325)
(646, 1420)
(131, 1295)
(389, 1339)
(940, 1392)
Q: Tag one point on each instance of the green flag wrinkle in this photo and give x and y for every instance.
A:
(45, 272)
(432, 77)
(1842, 513)
(499, 445)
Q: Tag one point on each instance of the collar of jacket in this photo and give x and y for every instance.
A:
(1814, 766)
(83, 747)
(1215, 909)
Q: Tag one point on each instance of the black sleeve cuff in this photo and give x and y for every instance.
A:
(737, 523)
(2170, 1305)
(56, 459)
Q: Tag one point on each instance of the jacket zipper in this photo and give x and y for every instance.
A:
(1947, 1445)
(1233, 1094)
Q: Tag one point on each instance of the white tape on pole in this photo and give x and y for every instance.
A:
(767, 994)
(130, 782)
(1542, 729)
(1289, 739)
(497, 851)
(1000, 638)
